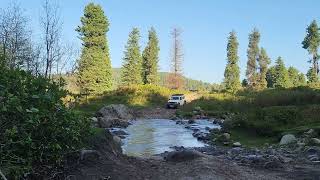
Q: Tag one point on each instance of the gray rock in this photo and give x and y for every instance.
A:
(252, 158)
(214, 131)
(183, 155)
(89, 155)
(116, 111)
(310, 133)
(202, 136)
(119, 133)
(272, 165)
(288, 139)
(94, 119)
(236, 150)
(106, 122)
(315, 141)
(226, 143)
(225, 137)
(191, 121)
(236, 144)
(313, 157)
(312, 150)
(117, 140)
(114, 115)
(301, 144)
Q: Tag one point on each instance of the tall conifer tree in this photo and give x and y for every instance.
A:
(264, 61)
(232, 71)
(150, 59)
(281, 75)
(95, 74)
(253, 54)
(312, 42)
(131, 72)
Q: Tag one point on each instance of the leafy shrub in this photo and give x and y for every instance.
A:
(36, 129)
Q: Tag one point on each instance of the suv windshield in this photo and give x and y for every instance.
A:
(174, 98)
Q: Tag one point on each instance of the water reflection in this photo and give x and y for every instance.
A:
(149, 137)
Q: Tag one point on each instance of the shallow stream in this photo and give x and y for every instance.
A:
(154, 136)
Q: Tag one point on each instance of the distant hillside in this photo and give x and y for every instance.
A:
(191, 84)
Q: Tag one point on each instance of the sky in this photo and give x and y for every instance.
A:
(205, 24)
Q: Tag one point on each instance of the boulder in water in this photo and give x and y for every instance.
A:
(288, 139)
(114, 115)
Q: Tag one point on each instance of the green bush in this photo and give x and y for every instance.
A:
(36, 129)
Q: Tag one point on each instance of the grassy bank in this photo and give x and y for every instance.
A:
(135, 96)
(267, 114)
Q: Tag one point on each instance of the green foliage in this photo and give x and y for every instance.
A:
(244, 83)
(271, 76)
(264, 61)
(281, 75)
(36, 129)
(131, 72)
(134, 96)
(253, 54)
(312, 76)
(150, 58)
(266, 113)
(301, 80)
(232, 71)
(296, 78)
(94, 66)
(311, 42)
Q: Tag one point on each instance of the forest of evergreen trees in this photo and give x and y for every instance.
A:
(259, 76)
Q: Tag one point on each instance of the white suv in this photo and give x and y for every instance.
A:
(176, 100)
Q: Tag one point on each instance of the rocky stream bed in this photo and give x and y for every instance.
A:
(293, 158)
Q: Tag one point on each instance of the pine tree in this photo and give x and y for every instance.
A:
(131, 72)
(281, 76)
(150, 59)
(253, 54)
(232, 71)
(301, 80)
(271, 76)
(95, 74)
(264, 61)
(311, 42)
(296, 78)
(312, 76)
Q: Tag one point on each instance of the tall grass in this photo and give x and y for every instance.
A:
(268, 113)
(135, 96)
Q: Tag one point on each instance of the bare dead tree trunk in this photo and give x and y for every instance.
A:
(50, 22)
(175, 78)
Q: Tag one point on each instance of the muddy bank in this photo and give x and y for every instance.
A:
(211, 162)
(111, 164)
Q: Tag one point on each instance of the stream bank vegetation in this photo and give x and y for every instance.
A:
(41, 122)
(262, 114)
